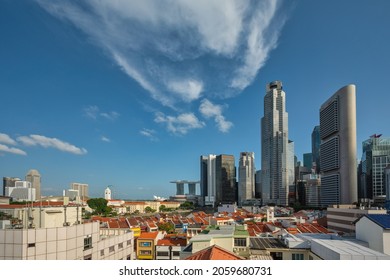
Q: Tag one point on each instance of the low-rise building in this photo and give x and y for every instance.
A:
(146, 243)
(170, 246)
(375, 230)
(78, 242)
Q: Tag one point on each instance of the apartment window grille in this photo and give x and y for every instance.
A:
(111, 249)
(120, 246)
(240, 242)
(297, 257)
(87, 242)
(145, 252)
(129, 242)
(101, 253)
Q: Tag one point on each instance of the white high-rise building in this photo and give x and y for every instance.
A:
(23, 191)
(276, 150)
(338, 148)
(82, 188)
(246, 176)
(34, 178)
(208, 185)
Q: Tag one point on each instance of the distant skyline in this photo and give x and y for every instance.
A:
(131, 94)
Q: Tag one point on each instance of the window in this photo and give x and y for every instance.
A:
(297, 256)
(30, 245)
(162, 254)
(145, 252)
(176, 253)
(145, 244)
(111, 249)
(102, 252)
(277, 255)
(120, 246)
(87, 242)
(128, 257)
(241, 242)
(129, 242)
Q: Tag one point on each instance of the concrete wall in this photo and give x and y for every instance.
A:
(65, 243)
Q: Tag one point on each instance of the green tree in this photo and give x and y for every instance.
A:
(99, 206)
(148, 209)
(187, 205)
(162, 208)
(167, 227)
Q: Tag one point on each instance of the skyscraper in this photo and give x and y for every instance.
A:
(375, 158)
(276, 150)
(315, 148)
(34, 178)
(338, 148)
(225, 178)
(207, 180)
(246, 176)
(82, 188)
(9, 182)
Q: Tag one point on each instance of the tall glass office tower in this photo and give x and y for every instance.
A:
(376, 157)
(276, 150)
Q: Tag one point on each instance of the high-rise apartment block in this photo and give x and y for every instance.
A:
(338, 148)
(246, 176)
(82, 188)
(34, 178)
(276, 150)
(375, 158)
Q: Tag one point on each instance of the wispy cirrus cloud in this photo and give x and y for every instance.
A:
(46, 142)
(193, 49)
(12, 150)
(6, 139)
(105, 139)
(181, 124)
(149, 133)
(210, 110)
(93, 112)
(7, 142)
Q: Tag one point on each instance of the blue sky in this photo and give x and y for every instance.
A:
(131, 93)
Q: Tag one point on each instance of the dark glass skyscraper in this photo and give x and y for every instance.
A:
(315, 147)
(226, 183)
(376, 156)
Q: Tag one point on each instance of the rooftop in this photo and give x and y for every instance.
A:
(214, 253)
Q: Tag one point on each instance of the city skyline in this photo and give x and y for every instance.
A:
(85, 101)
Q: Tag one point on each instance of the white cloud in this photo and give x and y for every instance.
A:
(187, 90)
(105, 139)
(6, 139)
(93, 112)
(219, 45)
(210, 110)
(110, 115)
(181, 124)
(5, 148)
(46, 142)
(149, 133)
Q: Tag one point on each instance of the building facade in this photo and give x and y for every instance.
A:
(9, 182)
(246, 176)
(275, 152)
(338, 148)
(34, 178)
(207, 180)
(375, 158)
(315, 148)
(225, 178)
(78, 242)
(82, 188)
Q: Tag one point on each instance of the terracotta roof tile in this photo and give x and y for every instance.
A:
(214, 253)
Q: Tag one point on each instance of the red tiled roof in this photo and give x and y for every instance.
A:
(172, 242)
(148, 235)
(214, 253)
